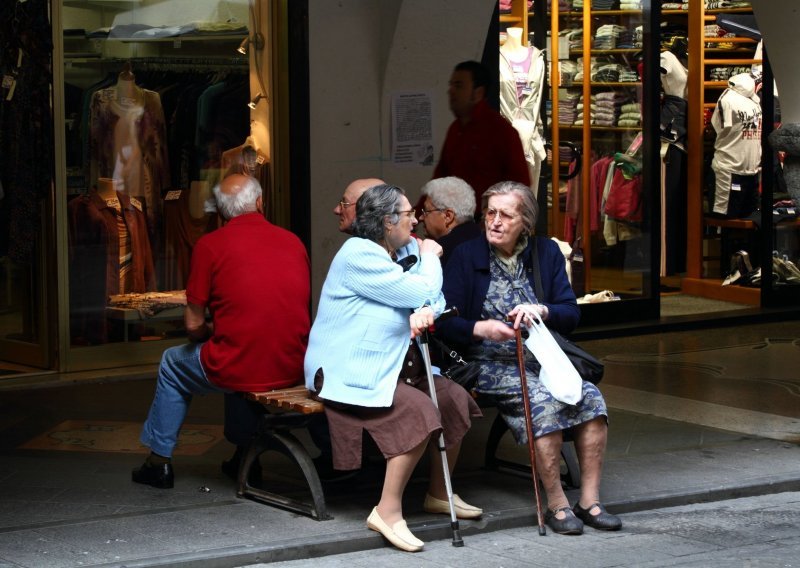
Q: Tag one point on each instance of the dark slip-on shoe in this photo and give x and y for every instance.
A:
(570, 524)
(603, 520)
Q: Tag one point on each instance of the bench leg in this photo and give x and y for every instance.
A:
(288, 444)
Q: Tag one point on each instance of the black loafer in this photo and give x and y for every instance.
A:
(603, 521)
(160, 476)
(570, 524)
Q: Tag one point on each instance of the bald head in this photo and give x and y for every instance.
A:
(238, 194)
(347, 212)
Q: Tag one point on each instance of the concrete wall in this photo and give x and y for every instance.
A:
(360, 52)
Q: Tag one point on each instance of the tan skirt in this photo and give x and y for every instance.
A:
(409, 421)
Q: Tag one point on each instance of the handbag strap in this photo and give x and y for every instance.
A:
(537, 275)
(450, 352)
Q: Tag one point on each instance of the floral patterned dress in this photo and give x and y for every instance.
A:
(499, 380)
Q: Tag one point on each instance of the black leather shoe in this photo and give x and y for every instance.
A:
(603, 521)
(160, 476)
(570, 524)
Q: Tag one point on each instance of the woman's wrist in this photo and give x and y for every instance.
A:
(477, 330)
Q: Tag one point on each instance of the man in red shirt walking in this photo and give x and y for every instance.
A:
(254, 280)
(481, 147)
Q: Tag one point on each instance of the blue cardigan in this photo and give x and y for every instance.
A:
(466, 283)
(361, 333)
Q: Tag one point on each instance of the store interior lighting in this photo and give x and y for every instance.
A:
(252, 104)
(257, 41)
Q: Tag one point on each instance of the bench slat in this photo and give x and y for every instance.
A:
(293, 398)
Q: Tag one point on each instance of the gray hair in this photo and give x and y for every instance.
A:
(452, 193)
(244, 201)
(528, 207)
(372, 207)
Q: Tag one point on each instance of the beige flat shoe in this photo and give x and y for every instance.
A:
(463, 509)
(398, 535)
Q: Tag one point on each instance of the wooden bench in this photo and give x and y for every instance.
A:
(287, 410)
(291, 408)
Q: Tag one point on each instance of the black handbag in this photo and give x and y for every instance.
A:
(589, 368)
(453, 366)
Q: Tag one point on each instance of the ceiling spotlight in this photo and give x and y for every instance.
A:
(257, 41)
(252, 104)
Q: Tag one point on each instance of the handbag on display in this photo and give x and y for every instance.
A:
(624, 202)
(455, 367)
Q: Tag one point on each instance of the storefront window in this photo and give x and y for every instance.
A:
(156, 100)
(571, 82)
(26, 181)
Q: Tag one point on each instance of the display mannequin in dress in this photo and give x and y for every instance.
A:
(522, 71)
(128, 143)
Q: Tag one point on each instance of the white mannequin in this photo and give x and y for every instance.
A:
(674, 75)
(513, 48)
(522, 72)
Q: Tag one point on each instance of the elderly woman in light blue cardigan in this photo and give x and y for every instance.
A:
(382, 290)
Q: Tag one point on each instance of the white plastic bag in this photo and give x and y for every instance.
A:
(558, 375)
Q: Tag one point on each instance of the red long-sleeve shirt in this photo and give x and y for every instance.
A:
(484, 151)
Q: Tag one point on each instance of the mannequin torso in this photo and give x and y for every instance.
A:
(513, 49)
(106, 188)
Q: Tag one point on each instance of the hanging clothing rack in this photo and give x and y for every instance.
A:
(199, 64)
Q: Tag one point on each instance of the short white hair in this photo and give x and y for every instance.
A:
(240, 203)
(452, 193)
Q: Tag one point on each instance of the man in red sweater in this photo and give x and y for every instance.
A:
(481, 147)
(253, 278)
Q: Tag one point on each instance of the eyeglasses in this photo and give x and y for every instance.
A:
(408, 213)
(344, 204)
(429, 211)
(491, 214)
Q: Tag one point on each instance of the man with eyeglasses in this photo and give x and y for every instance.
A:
(481, 147)
(448, 210)
(346, 208)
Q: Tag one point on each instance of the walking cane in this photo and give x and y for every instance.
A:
(426, 356)
(529, 427)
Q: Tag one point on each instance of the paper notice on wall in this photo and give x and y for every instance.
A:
(412, 129)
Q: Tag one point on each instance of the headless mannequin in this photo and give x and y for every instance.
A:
(248, 156)
(513, 49)
(673, 75)
(129, 99)
(106, 188)
(673, 160)
(127, 92)
(522, 72)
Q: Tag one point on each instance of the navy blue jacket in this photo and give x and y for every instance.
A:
(466, 283)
